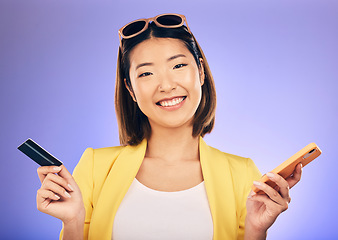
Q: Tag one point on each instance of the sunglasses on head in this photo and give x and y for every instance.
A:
(134, 28)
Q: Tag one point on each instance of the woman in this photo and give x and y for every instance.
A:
(163, 182)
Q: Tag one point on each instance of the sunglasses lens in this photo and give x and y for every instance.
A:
(133, 28)
(169, 20)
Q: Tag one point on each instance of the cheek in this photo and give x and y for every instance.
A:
(195, 83)
(143, 93)
(198, 93)
(141, 100)
(197, 90)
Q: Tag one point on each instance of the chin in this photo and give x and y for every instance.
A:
(174, 123)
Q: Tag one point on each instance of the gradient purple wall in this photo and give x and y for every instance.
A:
(276, 72)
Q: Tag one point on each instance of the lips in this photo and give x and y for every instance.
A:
(171, 102)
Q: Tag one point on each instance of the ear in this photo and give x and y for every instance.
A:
(130, 90)
(201, 70)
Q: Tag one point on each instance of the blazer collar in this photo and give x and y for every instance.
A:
(217, 179)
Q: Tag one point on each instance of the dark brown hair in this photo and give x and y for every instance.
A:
(133, 124)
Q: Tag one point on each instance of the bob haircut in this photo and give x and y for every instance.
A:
(133, 124)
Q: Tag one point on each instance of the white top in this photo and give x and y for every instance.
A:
(146, 214)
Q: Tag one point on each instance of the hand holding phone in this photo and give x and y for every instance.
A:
(304, 156)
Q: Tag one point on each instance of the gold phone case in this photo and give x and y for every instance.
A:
(305, 156)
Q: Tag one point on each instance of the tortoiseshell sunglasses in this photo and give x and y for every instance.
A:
(169, 20)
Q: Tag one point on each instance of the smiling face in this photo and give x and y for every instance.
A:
(166, 82)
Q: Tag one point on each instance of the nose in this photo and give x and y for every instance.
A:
(166, 83)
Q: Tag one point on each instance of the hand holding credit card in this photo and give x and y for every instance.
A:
(59, 194)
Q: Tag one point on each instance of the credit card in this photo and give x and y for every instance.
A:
(38, 154)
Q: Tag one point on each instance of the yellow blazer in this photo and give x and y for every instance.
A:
(104, 176)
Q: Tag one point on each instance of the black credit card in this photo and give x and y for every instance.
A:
(38, 154)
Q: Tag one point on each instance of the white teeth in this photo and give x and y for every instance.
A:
(172, 102)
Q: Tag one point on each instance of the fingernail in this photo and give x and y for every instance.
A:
(251, 195)
(67, 194)
(70, 186)
(57, 196)
(56, 168)
(270, 175)
(301, 165)
(256, 183)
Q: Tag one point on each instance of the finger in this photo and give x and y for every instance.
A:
(276, 188)
(55, 188)
(60, 181)
(296, 175)
(43, 199)
(270, 205)
(261, 198)
(283, 186)
(65, 173)
(43, 194)
(270, 192)
(44, 170)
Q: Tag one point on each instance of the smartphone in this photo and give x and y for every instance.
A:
(304, 156)
(38, 154)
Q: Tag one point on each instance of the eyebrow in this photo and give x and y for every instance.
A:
(176, 56)
(151, 64)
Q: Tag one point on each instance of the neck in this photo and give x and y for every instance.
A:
(173, 145)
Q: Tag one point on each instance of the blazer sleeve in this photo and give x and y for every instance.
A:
(251, 174)
(83, 175)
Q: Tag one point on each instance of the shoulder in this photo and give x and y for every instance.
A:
(240, 167)
(93, 157)
(103, 158)
(95, 164)
(233, 160)
(242, 171)
(112, 153)
(108, 151)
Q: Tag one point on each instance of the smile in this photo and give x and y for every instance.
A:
(172, 102)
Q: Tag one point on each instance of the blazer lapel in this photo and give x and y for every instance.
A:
(217, 179)
(220, 192)
(114, 189)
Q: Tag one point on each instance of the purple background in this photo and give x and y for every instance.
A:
(275, 68)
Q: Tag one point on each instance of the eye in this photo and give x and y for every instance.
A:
(180, 65)
(145, 74)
